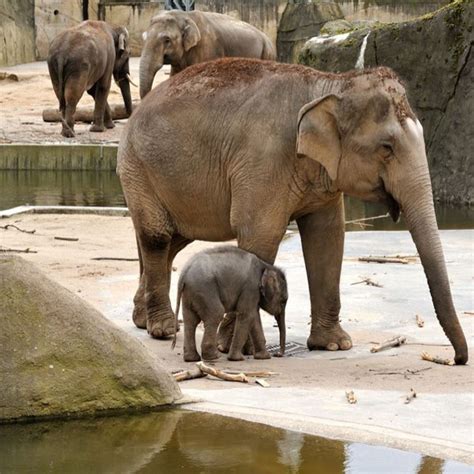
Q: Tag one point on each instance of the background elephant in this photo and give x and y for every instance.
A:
(228, 279)
(84, 58)
(185, 38)
(243, 164)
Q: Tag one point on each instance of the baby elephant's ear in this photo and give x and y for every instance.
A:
(318, 133)
(267, 281)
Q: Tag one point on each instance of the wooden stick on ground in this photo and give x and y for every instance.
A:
(394, 342)
(384, 260)
(365, 219)
(119, 259)
(470, 313)
(17, 228)
(257, 373)
(368, 282)
(436, 359)
(8, 250)
(86, 114)
(69, 239)
(222, 375)
(189, 374)
(419, 321)
(410, 396)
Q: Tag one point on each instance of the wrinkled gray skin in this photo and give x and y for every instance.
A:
(260, 144)
(84, 58)
(229, 280)
(185, 38)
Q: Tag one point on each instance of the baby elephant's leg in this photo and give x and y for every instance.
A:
(258, 339)
(243, 321)
(209, 339)
(225, 332)
(191, 320)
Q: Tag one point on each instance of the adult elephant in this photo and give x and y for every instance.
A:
(236, 148)
(185, 38)
(84, 58)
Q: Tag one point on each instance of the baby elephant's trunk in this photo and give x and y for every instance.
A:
(282, 328)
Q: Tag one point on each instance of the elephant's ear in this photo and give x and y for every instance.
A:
(318, 133)
(121, 40)
(191, 35)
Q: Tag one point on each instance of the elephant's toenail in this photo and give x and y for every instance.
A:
(332, 346)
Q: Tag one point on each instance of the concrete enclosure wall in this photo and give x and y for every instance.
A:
(17, 32)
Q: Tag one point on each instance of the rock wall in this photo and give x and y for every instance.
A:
(60, 357)
(301, 22)
(433, 55)
(17, 32)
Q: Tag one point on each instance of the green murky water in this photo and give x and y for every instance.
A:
(188, 442)
(92, 188)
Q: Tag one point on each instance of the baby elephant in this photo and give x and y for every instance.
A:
(228, 279)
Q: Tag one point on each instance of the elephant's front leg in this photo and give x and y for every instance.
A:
(322, 238)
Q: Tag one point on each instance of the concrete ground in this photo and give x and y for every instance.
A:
(26, 90)
(308, 392)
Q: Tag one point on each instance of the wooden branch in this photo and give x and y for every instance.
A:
(252, 373)
(86, 114)
(17, 228)
(351, 398)
(189, 374)
(69, 239)
(410, 396)
(365, 219)
(8, 250)
(119, 259)
(262, 382)
(384, 260)
(470, 313)
(436, 359)
(419, 321)
(368, 282)
(394, 342)
(222, 375)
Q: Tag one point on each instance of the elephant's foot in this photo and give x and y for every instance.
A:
(262, 355)
(223, 348)
(96, 128)
(139, 316)
(210, 354)
(249, 348)
(68, 133)
(109, 124)
(331, 339)
(191, 356)
(161, 328)
(235, 356)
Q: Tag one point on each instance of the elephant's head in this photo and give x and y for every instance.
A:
(371, 144)
(273, 297)
(170, 36)
(121, 71)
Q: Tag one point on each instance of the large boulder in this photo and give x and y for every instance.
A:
(298, 23)
(433, 55)
(61, 357)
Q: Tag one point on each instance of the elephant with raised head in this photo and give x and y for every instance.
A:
(260, 144)
(84, 58)
(185, 38)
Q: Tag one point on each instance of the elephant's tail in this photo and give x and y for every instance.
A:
(62, 100)
(176, 312)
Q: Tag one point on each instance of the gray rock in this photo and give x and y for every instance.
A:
(298, 23)
(60, 357)
(433, 55)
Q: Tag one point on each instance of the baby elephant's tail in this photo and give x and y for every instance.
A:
(176, 312)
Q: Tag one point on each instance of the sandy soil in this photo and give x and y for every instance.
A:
(22, 102)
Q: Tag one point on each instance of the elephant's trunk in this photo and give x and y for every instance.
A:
(124, 85)
(416, 199)
(282, 328)
(150, 64)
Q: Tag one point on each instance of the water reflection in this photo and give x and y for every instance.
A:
(180, 441)
(102, 188)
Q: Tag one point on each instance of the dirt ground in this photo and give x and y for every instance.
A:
(308, 390)
(24, 97)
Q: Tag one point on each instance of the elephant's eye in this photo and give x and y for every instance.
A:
(386, 150)
(166, 40)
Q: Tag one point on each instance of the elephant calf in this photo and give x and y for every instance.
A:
(84, 58)
(229, 279)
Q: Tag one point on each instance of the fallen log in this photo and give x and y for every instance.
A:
(189, 374)
(395, 342)
(222, 375)
(86, 114)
